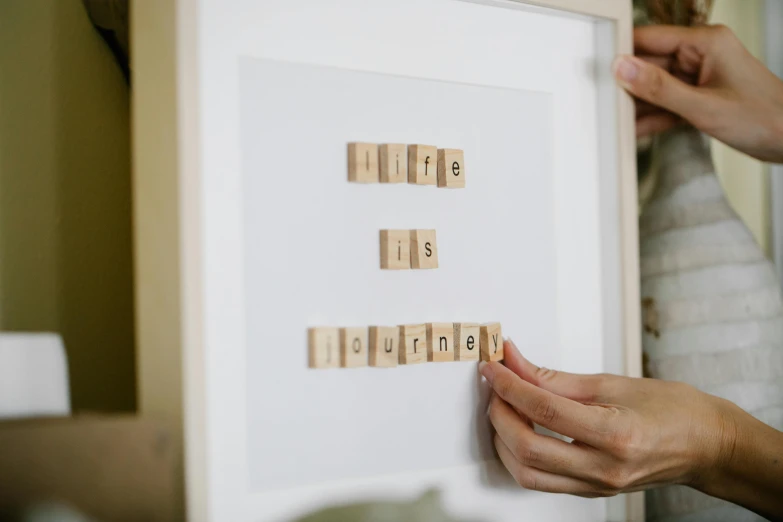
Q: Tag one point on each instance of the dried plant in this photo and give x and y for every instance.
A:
(668, 12)
(674, 12)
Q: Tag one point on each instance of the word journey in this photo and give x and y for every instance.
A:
(388, 346)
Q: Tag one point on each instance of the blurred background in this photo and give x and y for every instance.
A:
(65, 186)
(66, 237)
(65, 195)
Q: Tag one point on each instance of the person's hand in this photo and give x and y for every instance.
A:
(705, 76)
(628, 434)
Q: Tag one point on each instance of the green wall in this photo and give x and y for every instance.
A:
(65, 209)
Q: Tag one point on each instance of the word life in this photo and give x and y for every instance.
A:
(388, 346)
(405, 249)
(398, 163)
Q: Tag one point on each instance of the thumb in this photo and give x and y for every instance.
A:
(655, 85)
(577, 387)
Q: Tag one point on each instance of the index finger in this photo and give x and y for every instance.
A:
(562, 415)
(668, 39)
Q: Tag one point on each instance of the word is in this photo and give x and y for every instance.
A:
(405, 249)
(389, 346)
(398, 163)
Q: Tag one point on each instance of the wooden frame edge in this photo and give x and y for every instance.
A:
(198, 503)
(167, 238)
(629, 234)
(620, 13)
(616, 10)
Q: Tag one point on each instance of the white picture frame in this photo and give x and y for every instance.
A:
(184, 175)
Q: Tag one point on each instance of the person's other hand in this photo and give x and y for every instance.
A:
(628, 434)
(705, 76)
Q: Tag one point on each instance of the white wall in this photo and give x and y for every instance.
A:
(65, 222)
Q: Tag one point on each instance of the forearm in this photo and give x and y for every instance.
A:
(749, 468)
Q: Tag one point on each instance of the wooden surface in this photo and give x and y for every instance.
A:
(467, 338)
(451, 168)
(491, 342)
(363, 162)
(422, 164)
(394, 162)
(440, 342)
(384, 346)
(424, 249)
(395, 249)
(166, 227)
(619, 12)
(324, 347)
(353, 347)
(413, 344)
(118, 468)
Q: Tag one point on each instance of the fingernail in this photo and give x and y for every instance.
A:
(625, 69)
(487, 371)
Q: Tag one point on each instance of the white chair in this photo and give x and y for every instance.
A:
(33, 376)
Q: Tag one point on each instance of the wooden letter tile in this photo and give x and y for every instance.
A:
(363, 162)
(394, 163)
(353, 347)
(395, 249)
(491, 342)
(451, 168)
(424, 249)
(324, 347)
(384, 345)
(467, 338)
(422, 164)
(440, 341)
(413, 344)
